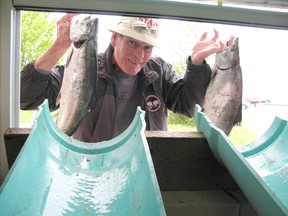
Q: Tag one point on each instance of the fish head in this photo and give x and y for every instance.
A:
(83, 30)
(229, 57)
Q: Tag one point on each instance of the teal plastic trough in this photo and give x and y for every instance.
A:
(55, 174)
(259, 168)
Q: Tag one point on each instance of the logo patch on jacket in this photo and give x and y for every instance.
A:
(153, 103)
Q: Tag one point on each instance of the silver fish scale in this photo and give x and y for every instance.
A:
(223, 99)
(80, 76)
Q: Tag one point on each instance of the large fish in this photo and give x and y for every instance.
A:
(223, 99)
(80, 75)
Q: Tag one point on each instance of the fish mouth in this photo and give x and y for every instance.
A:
(78, 44)
(224, 68)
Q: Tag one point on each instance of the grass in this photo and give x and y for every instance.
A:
(26, 116)
(180, 127)
(239, 136)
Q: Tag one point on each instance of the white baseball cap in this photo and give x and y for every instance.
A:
(140, 28)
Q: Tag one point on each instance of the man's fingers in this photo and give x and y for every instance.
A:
(68, 17)
(216, 35)
(203, 37)
(221, 46)
(229, 42)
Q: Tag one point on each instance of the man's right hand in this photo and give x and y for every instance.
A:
(47, 60)
(205, 47)
(63, 30)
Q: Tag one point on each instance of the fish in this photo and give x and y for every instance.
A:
(223, 98)
(80, 75)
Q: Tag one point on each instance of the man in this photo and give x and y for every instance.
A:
(128, 77)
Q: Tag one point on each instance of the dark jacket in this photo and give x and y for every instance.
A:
(160, 88)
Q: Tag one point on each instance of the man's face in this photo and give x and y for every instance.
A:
(130, 55)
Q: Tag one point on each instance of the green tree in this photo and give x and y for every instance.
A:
(38, 30)
(184, 47)
(179, 55)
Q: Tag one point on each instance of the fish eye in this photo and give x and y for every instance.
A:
(233, 49)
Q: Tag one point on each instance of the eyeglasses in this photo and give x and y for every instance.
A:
(141, 27)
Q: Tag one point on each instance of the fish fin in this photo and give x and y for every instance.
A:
(238, 119)
(213, 73)
(58, 99)
(69, 57)
(239, 115)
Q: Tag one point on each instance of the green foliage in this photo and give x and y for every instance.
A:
(38, 31)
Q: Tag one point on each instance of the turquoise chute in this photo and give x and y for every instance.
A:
(259, 168)
(55, 174)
